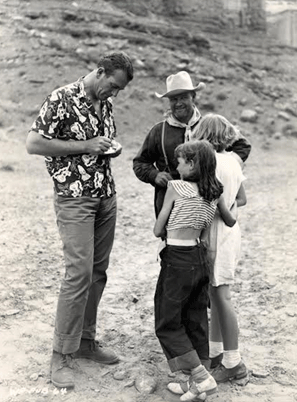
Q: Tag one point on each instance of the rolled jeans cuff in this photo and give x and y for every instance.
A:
(66, 344)
(187, 361)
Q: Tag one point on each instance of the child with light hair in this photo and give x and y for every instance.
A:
(224, 243)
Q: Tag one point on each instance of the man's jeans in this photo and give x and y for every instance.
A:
(181, 301)
(86, 227)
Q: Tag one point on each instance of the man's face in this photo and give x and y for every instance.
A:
(106, 86)
(182, 106)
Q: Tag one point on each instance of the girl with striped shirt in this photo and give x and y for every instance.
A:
(182, 289)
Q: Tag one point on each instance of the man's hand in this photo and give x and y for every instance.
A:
(98, 145)
(162, 179)
(116, 153)
(39, 145)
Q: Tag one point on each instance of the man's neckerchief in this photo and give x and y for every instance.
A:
(190, 127)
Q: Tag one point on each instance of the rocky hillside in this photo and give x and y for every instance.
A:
(249, 78)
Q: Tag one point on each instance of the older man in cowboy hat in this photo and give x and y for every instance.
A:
(155, 162)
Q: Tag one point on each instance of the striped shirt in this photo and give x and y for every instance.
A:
(191, 210)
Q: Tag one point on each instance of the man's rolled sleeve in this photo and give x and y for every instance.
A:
(49, 119)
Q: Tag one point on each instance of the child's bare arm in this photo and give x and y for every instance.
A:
(240, 200)
(227, 216)
(230, 217)
(159, 228)
(241, 197)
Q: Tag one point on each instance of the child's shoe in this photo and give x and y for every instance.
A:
(208, 386)
(197, 398)
(199, 383)
(222, 374)
(216, 361)
(182, 388)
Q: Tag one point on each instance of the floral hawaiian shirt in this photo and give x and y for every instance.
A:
(68, 114)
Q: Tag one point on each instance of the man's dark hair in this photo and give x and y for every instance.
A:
(117, 61)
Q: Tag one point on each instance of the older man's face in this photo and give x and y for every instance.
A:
(182, 106)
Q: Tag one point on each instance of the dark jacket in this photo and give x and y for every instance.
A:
(150, 159)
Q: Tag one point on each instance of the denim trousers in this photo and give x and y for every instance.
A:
(86, 226)
(181, 301)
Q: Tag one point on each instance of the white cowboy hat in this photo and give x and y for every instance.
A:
(179, 83)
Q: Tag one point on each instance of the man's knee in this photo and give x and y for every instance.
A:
(77, 279)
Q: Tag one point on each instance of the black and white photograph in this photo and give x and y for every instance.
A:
(148, 187)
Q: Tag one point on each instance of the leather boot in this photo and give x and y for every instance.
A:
(91, 349)
(62, 375)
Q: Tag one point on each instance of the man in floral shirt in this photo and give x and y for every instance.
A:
(74, 129)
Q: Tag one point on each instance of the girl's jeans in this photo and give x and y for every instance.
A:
(86, 226)
(181, 301)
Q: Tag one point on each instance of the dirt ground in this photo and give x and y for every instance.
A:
(31, 264)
